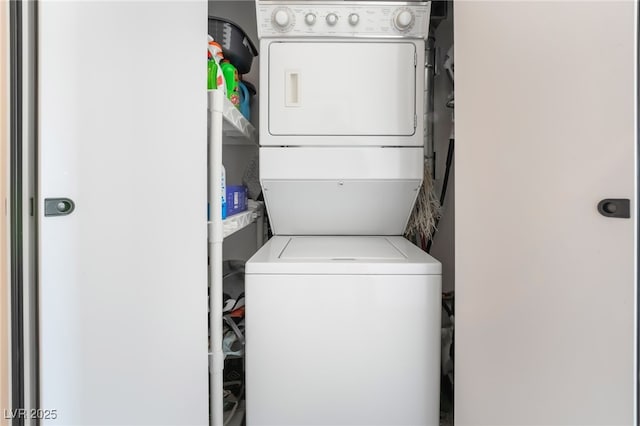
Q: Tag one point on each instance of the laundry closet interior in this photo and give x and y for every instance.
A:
(343, 97)
(280, 212)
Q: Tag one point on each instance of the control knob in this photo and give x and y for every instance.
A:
(281, 18)
(403, 20)
(332, 19)
(354, 19)
(310, 18)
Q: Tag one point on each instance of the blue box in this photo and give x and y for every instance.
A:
(237, 199)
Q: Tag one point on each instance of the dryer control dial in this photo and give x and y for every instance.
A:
(403, 20)
(354, 18)
(332, 19)
(283, 19)
(310, 18)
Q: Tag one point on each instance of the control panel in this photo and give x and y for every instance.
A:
(278, 19)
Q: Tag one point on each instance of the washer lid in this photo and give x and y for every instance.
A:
(337, 248)
(360, 255)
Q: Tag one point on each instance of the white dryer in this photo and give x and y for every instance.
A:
(341, 114)
(343, 314)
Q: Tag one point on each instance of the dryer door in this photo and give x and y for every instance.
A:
(342, 88)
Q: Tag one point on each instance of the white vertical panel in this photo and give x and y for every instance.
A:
(122, 113)
(546, 286)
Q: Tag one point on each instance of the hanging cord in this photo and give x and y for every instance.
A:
(445, 184)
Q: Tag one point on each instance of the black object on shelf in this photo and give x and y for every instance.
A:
(237, 47)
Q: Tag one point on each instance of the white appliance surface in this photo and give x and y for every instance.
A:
(340, 191)
(354, 88)
(343, 324)
(341, 255)
(353, 19)
(358, 163)
(342, 92)
(342, 331)
(351, 82)
(336, 248)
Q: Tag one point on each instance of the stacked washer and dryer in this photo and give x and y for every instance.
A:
(343, 313)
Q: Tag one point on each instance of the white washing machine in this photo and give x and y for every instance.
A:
(343, 314)
(342, 331)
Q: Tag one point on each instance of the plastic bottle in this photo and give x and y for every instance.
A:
(245, 100)
(212, 74)
(215, 50)
(231, 78)
(224, 192)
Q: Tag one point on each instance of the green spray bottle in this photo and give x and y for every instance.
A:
(231, 79)
(215, 78)
(212, 74)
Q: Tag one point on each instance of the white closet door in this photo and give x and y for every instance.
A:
(123, 284)
(546, 104)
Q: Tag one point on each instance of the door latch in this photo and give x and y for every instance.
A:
(615, 207)
(58, 206)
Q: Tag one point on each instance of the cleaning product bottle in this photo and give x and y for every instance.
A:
(245, 100)
(215, 51)
(212, 74)
(231, 78)
(224, 192)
